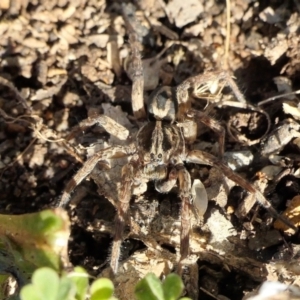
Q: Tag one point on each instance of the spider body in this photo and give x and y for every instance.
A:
(162, 148)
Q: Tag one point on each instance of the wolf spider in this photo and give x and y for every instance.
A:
(162, 148)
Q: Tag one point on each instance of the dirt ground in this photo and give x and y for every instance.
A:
(63, 61)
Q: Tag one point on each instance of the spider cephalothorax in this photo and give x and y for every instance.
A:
(160, 143)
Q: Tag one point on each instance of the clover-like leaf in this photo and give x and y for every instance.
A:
(81, 280)
(149, 288)
(67, 289)
(44, 286)
(29, 292)
(47, 285)
(172, 287)
(102, 289)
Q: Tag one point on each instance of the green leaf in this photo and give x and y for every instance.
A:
(102, 289)
(46, 281)
(66, 290)
(29, 292)
(149, 288)
(46, 285)
(81, 280)
(172, 287)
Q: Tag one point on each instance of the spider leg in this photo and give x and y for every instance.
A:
(206, 80)
(184, 179)
(209, 82)
(165, 185)
(122, 211)
(89, 165)
(185, 264)
(214, 125)
(201, 157)
(135, 67)
(110, 125)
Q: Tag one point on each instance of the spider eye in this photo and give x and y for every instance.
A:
(159, 155)
(152, 156)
